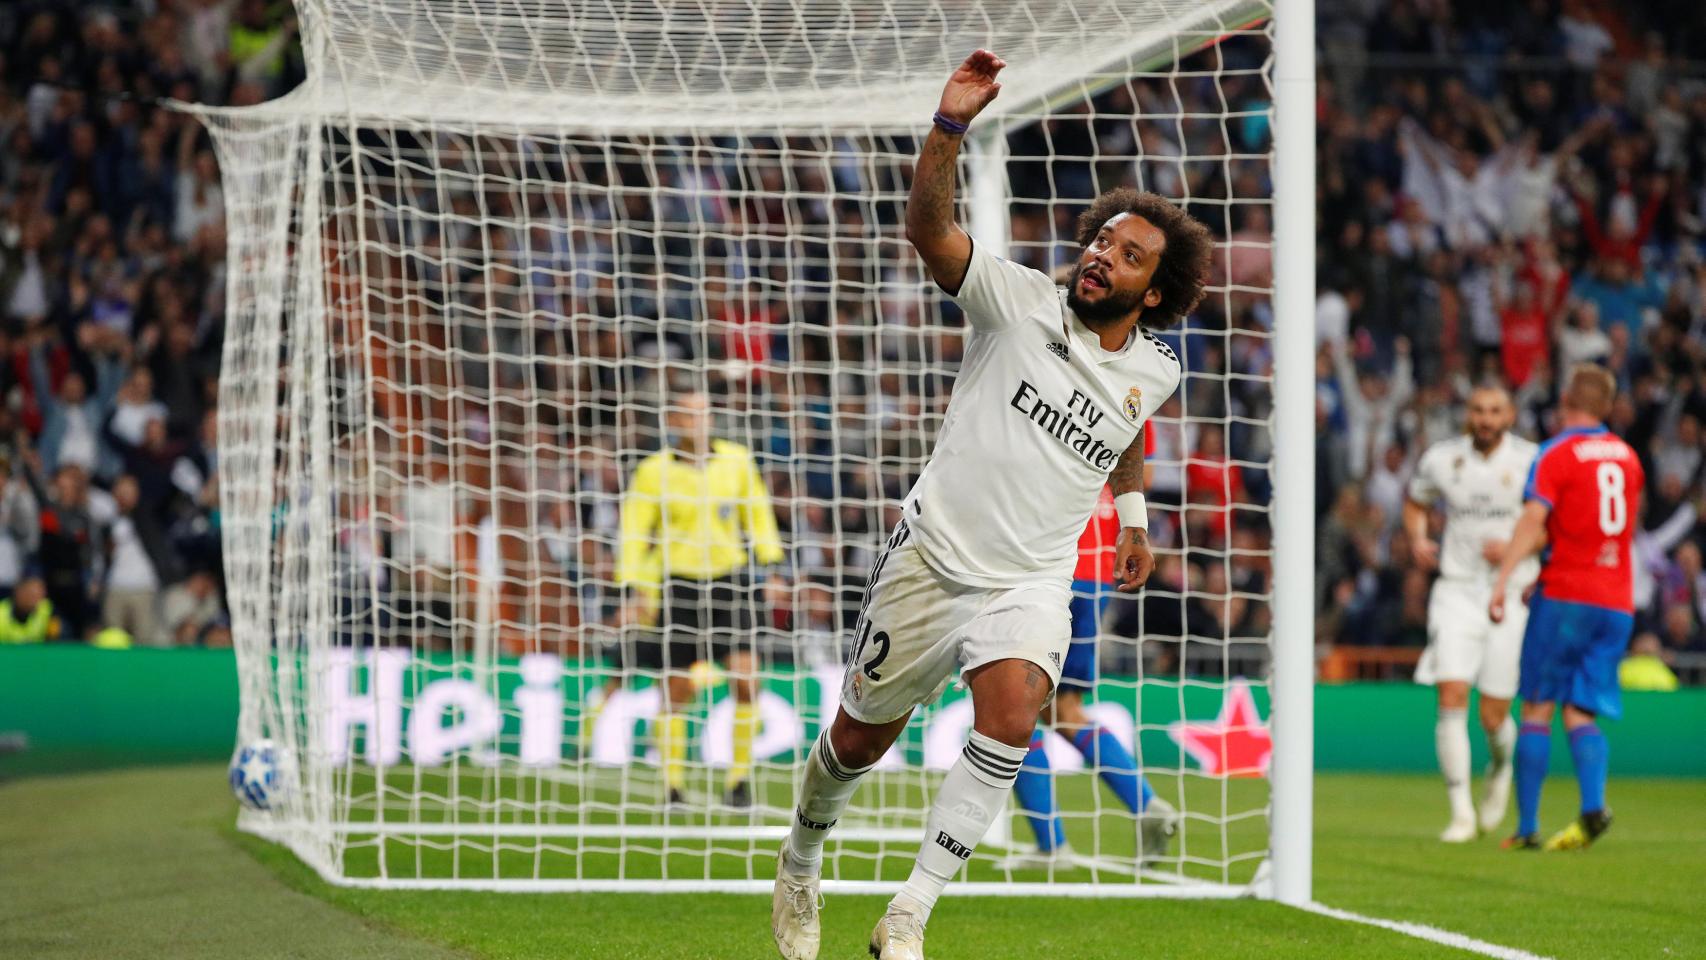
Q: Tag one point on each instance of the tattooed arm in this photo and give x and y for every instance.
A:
(1133, 563)
(930, 225)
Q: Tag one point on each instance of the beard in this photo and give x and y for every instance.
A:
(1114, 307)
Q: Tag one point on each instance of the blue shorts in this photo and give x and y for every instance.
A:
(1089, 601)
(1570, 654)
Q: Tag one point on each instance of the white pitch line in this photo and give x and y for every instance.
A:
(1422, 931)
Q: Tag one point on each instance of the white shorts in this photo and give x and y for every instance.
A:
(916, 627)
(1465, 644)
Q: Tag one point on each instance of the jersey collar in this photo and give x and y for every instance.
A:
(1090, 341)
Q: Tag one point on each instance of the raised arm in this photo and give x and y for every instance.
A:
(1133, 563)
(930, 226)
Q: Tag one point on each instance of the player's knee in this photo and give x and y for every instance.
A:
(858, 744)
(1009, 723)
(1494, 713)
(1010, 728)
(1067, 709)
(1453, 695)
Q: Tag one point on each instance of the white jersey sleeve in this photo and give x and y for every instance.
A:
(999, 293)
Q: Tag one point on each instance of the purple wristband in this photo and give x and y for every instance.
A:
(948, 125)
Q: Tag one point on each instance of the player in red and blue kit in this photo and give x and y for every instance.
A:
(1092, 591)
(1582, 495)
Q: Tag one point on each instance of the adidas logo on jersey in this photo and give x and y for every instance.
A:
(1059, 350)
(1054, 656)
(953, 846)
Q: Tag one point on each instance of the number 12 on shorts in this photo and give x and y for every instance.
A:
(880, 640)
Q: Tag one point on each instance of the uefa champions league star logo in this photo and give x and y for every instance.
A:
(1234, 744)
(1133, 406)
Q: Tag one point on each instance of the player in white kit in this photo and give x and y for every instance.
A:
(1480, 478)
(1053, 391)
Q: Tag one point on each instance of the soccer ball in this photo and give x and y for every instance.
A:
(255, 777)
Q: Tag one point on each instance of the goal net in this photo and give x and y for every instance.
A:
(485, 253)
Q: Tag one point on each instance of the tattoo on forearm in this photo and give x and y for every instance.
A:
(930, 208)
(1127, 475)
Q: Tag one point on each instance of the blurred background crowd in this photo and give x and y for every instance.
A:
(1505, 188)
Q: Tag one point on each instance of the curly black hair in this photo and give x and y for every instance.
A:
(1183, 271)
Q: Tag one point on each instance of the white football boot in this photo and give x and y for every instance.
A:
(794, 906)
(1459, 830)
(899, 935)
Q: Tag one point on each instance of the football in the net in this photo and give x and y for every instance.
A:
(255, 777)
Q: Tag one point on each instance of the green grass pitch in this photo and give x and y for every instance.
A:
(145, 864)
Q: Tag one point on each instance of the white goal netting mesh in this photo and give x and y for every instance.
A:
(483, 260)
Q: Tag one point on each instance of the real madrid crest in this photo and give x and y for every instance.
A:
(1133, 405)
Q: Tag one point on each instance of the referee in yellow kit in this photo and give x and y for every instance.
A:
(696, 519)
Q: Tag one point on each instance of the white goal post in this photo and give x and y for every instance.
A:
(477, 260)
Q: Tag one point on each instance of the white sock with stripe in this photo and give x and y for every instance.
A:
(824, 794)
(970, 797)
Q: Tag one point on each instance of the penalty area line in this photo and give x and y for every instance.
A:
(1422, 931)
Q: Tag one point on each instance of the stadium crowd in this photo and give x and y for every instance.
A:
(1506, 189)
(112, 255)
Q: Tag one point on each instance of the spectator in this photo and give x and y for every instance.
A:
(191, 613)
(1644, 668)
(139, 564)
(27, 617)
(71, 419)
(70, 544)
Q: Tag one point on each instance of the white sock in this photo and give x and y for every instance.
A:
(1451, 742)
(971, 796)
(1501, 742)
(828, 786)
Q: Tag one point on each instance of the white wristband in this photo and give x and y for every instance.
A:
(1132, 510)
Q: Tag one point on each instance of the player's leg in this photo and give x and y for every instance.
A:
(903, 656)
(733, 619)
(1500, 730)
(743, 689)
(1539, 689)
(1594, 692)
(1034, 789)
(1451, 746)
(683, 616)
(1011, 654)
(1533, 754)
(1006, 698)
(1457, 628)
(1157, 820)
(1497, 683)
(842, 755)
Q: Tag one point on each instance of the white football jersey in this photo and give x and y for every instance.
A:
(1483, 498)
(1039, 416)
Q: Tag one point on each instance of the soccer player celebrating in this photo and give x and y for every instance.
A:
(688, 514)
(1480, 477)
(1581, 502)
(1053, 391)
(1101, 749)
